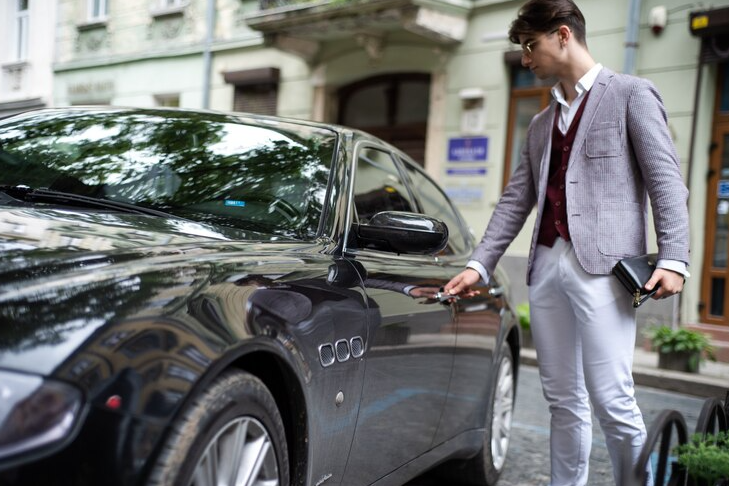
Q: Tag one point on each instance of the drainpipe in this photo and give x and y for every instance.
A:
(631, 37)
(207, 52)
(689, 166)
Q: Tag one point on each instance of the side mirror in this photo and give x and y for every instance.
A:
(402, 232)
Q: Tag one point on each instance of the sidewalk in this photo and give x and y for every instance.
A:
(711, 381)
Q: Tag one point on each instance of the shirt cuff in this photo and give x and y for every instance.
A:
(476, 265)
(675, 266)
(407, 289)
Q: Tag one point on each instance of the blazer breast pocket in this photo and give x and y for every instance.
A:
(604, 140)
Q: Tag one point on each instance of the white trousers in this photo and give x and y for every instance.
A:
(583, 327)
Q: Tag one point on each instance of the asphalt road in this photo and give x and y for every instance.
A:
(528, 459)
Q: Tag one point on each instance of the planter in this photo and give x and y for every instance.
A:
(680, 349)
(686, 361)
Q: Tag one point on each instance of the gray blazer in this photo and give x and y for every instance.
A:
(622, 154)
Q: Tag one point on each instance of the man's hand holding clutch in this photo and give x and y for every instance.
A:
(670, 283)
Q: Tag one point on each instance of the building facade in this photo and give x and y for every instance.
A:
(437, 78)
(26, 55)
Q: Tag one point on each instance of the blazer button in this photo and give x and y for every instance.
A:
(566, 148)
(557, 223)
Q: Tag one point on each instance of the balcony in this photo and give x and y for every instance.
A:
(301, 26)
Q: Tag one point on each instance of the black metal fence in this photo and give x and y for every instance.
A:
(658, 451)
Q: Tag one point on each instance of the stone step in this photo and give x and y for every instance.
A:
(719, 338)
(718, 333)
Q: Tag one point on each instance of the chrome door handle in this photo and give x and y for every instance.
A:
(443, 297)
(496, 291)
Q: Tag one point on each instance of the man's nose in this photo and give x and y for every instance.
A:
(525, 60)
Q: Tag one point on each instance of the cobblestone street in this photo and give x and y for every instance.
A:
(528, 460)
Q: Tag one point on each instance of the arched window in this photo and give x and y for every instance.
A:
(393, 107)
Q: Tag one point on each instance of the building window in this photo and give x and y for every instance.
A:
(258, 98)
(21, 30)
(169, 100)
(256, 90)
(97, 10)
(393, 107)
(529, 96)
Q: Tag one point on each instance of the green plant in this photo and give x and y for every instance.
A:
(706, 457)
(522, 313)
(668, 340)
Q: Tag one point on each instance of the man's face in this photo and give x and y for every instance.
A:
(538, 52)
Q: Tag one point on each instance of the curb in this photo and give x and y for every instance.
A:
(688, 383)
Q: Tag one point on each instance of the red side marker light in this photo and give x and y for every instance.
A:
(114, 402)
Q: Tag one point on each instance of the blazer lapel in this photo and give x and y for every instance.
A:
(588, 115)
(546, 133)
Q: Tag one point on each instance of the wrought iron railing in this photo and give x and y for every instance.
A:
(269, 4)
(714, 417)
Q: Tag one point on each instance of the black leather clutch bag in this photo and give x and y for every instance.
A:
(633, 273)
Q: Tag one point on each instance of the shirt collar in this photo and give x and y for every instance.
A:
(583, 85)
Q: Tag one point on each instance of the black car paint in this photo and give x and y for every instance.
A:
(160, 312)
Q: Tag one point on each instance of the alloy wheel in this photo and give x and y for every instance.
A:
(241, 454)
(503, 409)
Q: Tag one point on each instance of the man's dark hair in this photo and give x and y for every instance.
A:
(541, 16)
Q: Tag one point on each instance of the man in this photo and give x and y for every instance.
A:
(589, 162)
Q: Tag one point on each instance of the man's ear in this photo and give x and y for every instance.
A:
(564, 34)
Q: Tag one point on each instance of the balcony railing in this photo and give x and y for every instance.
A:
(268, 4)
(271, 4)
(319, 21)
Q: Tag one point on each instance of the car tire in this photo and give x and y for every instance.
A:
(232, 428)
(484, 468)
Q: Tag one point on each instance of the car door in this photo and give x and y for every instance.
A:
(411, 336)
(478, 318)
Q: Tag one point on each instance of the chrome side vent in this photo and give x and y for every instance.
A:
(326, 355)
(342, 350)
(357, 346)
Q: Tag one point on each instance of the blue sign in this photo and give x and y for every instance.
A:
(469, 149)
(724, 188)
(463, 171)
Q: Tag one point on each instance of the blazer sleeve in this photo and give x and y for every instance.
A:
(658, 162)
(511, 211)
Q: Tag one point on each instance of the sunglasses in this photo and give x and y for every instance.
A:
(528, 47)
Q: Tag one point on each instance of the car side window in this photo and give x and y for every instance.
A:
(378, 185)
(436, 205)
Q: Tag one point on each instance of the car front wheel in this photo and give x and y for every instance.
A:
(231, 434)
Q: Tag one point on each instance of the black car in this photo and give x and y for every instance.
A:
(199, 298)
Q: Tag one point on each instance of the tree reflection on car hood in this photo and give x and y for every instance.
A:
(67, 275)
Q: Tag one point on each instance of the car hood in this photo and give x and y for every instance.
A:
(67, 278)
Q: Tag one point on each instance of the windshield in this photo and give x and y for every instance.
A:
(261, 175)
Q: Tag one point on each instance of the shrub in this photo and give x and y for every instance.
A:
(706, 457)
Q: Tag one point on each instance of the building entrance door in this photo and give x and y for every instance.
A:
(715, 291)
(393, 107)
